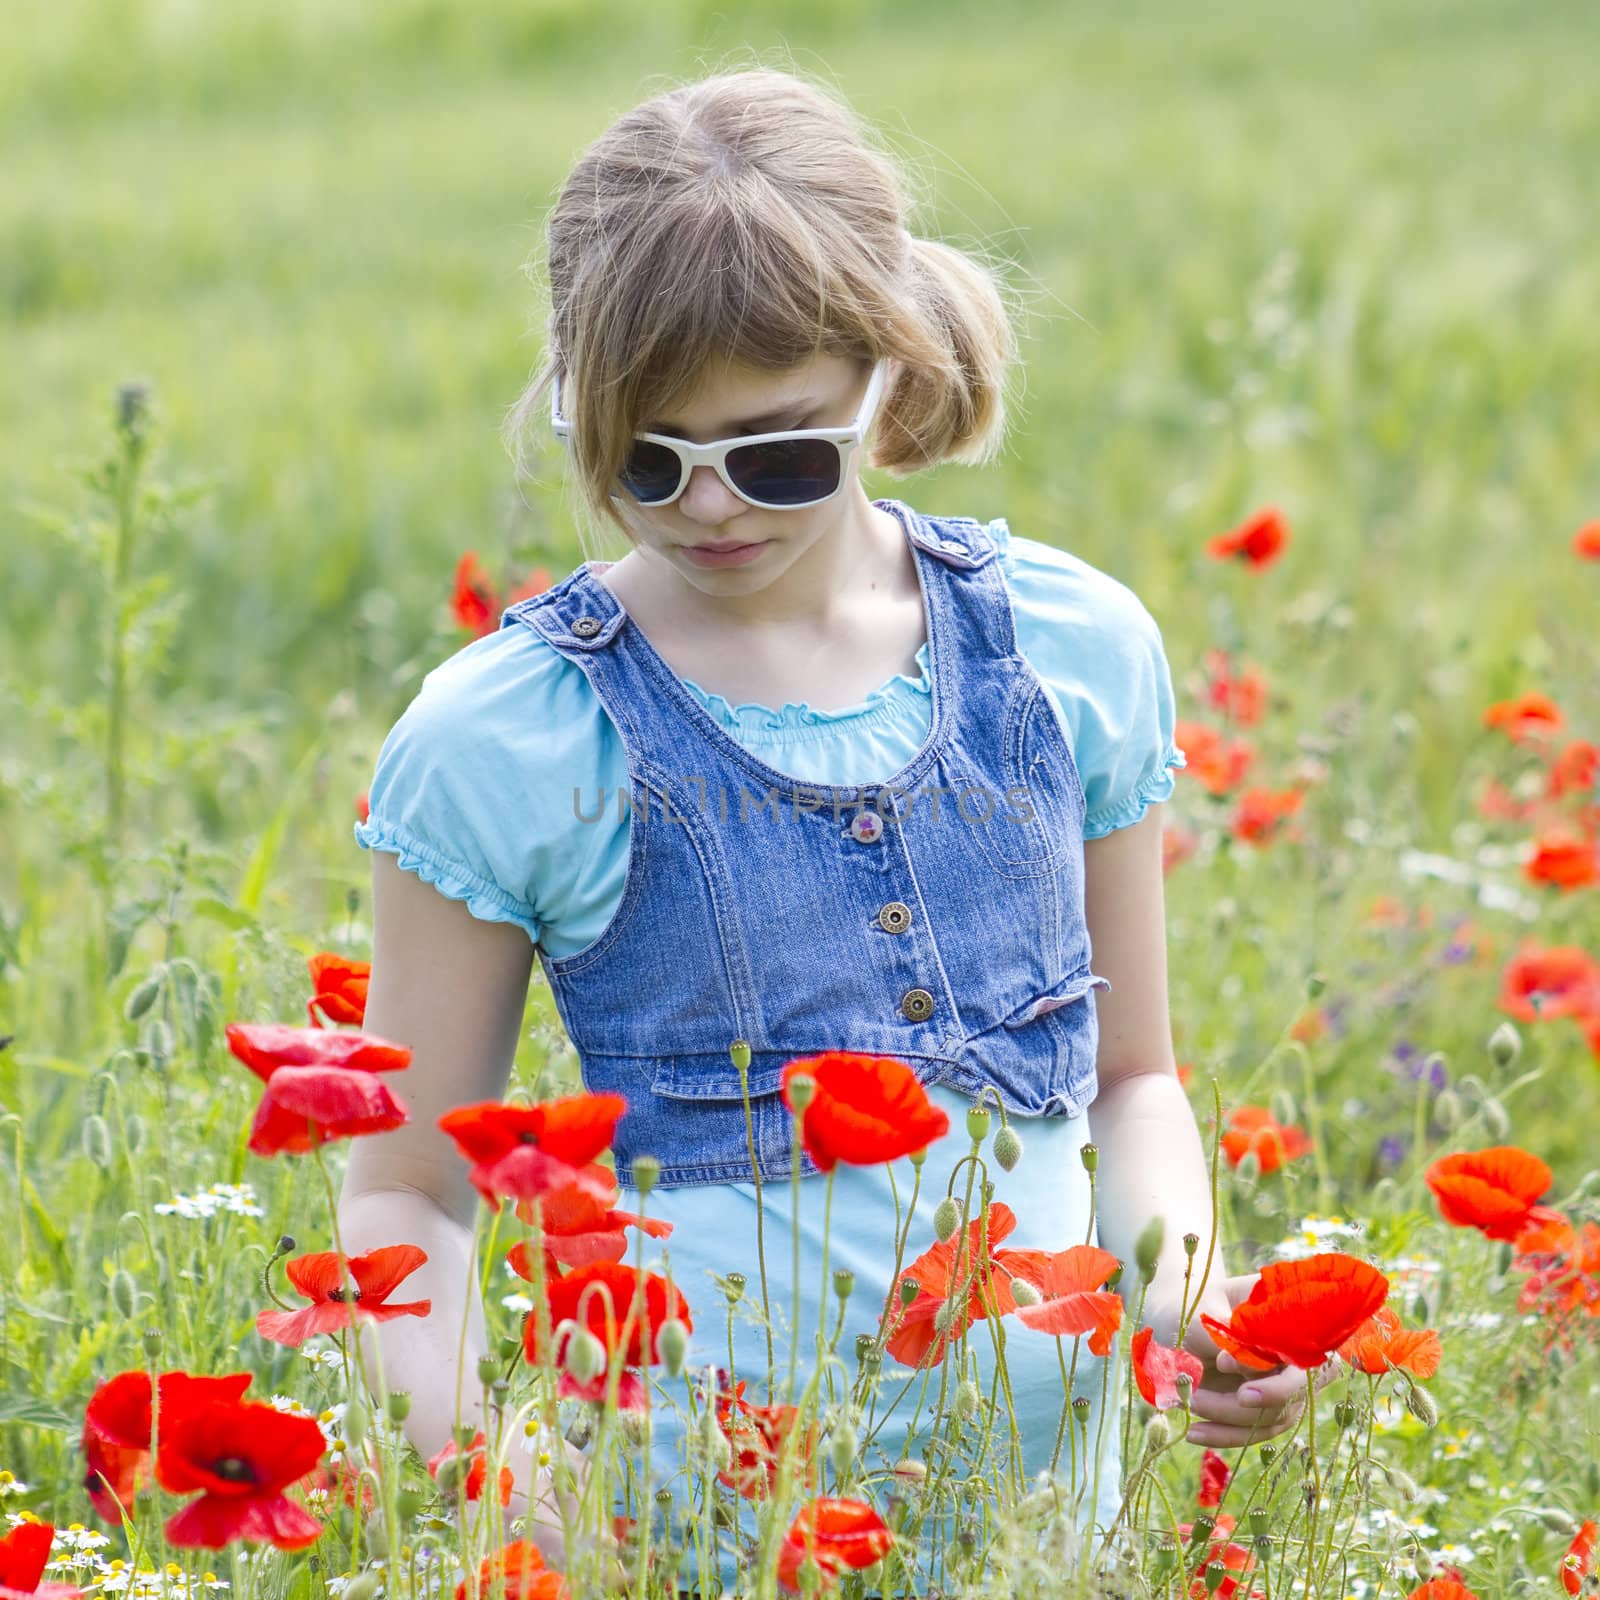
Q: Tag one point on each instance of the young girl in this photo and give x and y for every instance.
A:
(802, 770)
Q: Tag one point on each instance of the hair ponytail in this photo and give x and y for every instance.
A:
(952, 409)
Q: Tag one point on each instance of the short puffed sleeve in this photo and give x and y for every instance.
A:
(1100, 653)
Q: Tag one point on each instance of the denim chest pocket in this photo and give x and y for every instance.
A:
(1026, 819)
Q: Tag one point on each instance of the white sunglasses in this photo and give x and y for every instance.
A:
(776, 471)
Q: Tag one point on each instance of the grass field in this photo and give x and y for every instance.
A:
(1344, 261)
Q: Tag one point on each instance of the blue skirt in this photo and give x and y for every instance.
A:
(714, 1234)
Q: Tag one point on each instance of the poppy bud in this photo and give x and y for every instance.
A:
(1495, 1117)
(646, 1173)
(1315, 985)
(967, 1398)
(1184, 1384)
(1505, 1045)
(713, 1442)
(97, 1141)
(1157, 1434)
(158, 1041)
(1114, 1278)
(143, 997)
(356, 1418)
(488, 1370)
(1024, 1292)
(946, 1218)
(124, 1296)
(740, 1051)
(978, 1124)
(585, 1356)
(1589, 1183)
(1404, 1484)
(1557, 1521)
(398, 1405)
(1447, 1108)
(1007, 1148)
(672, 1343)
(408, 1500)
(1248, 1169)
(632, 1425)
(365, 1585)
(1502, 1258)
(1089, 1155)
(1421, 1405)
(508, 1346)
(1147, 1247)
(151, 1340)
(917, 1157)
(843, 1448)
(909, 1471)
(452, 1475)
(1591, 1475)
(1422, 1565)
(802, 1090)
(1283, 1106)
(945, 1316)
(133, 1133)
(844, 1281)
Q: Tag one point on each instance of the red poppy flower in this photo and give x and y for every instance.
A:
(1156, 1368)
(1550, 981)
(321, 1084)
(345, 1481)
(473, 602)
(116, 1431)
(623, 1308)
(1529, 716)
(340, 986)
(1578, 1562)
(241, 1455)
(1213, 759)
(23, 1554)
(1253, 1130)
(838, 1535)
(529, 1152)
(756, 1435)
(363, 806)
(866, 1109)
(1239, 696)
(914, 1337)
(520, 1569)
(579, 1229)
(320, 1279)
(1235, 1561)
(1576, 769)
(1381, 1343)
(477, 1471)
(1586, 542)
(1298, 1312)
(1259, 540)
(1442, 1589)
(1563, 1266)
(1565, 858)
(1259, 813)
(536, 582)
(1493, 1190)
(1074, 1303)
(1215, 1476)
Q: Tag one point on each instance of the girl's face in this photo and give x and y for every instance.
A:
(824, 392)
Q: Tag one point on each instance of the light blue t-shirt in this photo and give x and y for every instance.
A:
(474, 786)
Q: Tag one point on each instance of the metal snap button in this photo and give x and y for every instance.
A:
(895, 917)
(866, 827)
(916, 1005)
(586, 627)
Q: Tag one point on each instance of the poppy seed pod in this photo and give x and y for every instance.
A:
(488, 1370)
(1259, 1518)
(978, 1124)
(733, 1285)
(802, 1091)
(946, 1219)
(398, 1405)
(1089, 1155)
(844, 1282)
(151, 1339)
(740, 1051)
(909, 1290)
(1007, 1148)
(646, 1171)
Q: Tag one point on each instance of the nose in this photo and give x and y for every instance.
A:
(708, 500)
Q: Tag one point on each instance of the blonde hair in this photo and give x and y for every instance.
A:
(750, 217)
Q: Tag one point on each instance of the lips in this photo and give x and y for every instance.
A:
(723, 549)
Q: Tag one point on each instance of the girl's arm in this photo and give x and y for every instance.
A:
(1152, 1160)
(453, 988)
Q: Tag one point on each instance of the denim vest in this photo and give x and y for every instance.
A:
(936, 916)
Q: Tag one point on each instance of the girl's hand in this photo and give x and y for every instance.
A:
(1234, 1405)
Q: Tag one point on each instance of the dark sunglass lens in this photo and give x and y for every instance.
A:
(791, 472)
(650, 473)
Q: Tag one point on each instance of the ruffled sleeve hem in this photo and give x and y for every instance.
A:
(486, 901)
(1158, 786)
